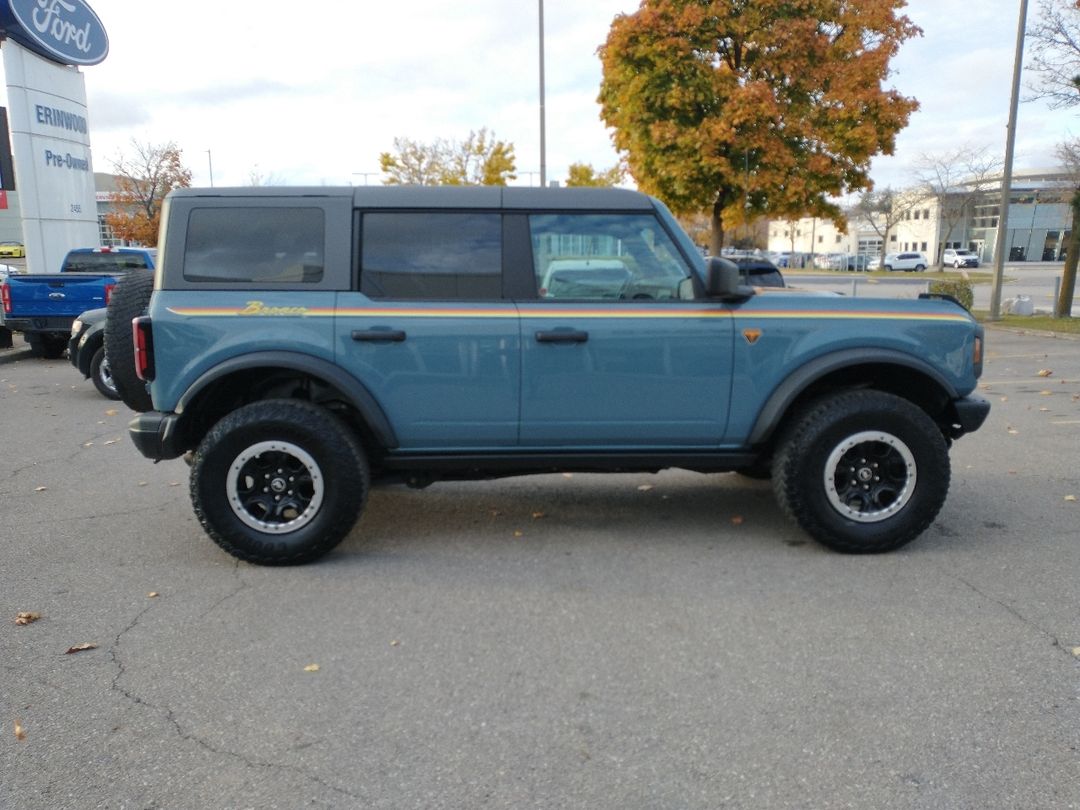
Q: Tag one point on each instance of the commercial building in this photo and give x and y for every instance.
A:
(1039, 223)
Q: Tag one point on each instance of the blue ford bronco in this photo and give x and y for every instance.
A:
(300, 345)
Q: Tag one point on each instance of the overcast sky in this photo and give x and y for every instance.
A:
(311, 93)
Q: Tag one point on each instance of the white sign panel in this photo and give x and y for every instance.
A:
(50, 140)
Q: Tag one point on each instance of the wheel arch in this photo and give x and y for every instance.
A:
(884, 370)
(272, 374)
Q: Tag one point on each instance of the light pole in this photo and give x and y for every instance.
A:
(1006, 178)
(210, 160)
(543, 123)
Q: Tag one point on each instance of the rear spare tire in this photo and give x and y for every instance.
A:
(129, 300)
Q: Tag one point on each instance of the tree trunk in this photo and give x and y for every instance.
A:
(716, 242)
(1063, 306)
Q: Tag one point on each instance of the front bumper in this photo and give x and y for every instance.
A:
(157, 435)
(968, 415)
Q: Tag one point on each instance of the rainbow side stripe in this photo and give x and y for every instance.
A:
(567, 312)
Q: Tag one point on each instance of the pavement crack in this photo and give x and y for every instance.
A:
(1017, 614)
(170, 716)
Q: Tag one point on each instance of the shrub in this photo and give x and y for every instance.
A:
(959, 289)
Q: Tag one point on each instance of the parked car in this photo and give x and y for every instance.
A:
(905, 261)
(86, 350)
(12, 250)
(960, 258)
(760, 272)
(299, 364)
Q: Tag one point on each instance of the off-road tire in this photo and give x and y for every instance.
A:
(279, 482)
(101, 374)
(895, 455)
(129, 300)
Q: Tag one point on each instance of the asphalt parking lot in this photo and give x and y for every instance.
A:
(627, 641)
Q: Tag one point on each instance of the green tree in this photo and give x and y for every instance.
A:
(754, 107)
(1055, 71)
(583, 174)
(143, 178)
(479, 160)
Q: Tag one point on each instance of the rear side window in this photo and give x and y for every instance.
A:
(262, 245)
(431, 256)
(103, 262)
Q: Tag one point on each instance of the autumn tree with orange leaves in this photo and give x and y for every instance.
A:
(748, 108)
(143, 178)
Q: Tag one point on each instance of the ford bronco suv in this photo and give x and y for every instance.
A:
(300, 345)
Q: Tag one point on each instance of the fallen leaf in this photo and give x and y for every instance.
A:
(1004, 399)
(153, 595)
(111, 412)
(1076, 651)
(1046, 394)
(40, 489)
(644, 488)
(1013, 431)
(174, 483)
(88, 444)
(23, 619)
(142, 483)
(538, 515)
(519, 534)
(1044, 410)
(737, 520)
(395, 643)
(20, 734)
(80, 648)
(311, 668)
(567, 475)
(111, 441)
(1070, 498)
(1045, 372)
(1012, 472)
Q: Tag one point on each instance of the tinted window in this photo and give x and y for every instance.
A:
(103, 262)
(606, 257)
(431, 256)
(255, 245)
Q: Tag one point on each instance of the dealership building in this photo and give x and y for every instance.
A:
(1038, 225)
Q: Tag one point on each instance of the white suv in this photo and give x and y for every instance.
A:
(960, 258)
(905, 261)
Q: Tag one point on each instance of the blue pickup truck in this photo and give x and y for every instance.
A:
(43, 305)
(300, 345)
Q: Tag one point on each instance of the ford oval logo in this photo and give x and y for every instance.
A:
(57, 296)
(66, 31)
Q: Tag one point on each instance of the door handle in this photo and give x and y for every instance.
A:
(378, 335)
(562, 336)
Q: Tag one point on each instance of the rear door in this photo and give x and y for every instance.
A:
(429, 332)
(618, 349)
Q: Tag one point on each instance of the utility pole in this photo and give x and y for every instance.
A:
(543, 123)
(210, 160)
(1006, 177)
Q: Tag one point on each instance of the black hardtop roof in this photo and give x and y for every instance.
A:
(501, 197)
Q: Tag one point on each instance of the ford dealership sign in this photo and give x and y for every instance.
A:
(65, 31)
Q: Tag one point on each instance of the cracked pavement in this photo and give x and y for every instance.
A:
(546, 641)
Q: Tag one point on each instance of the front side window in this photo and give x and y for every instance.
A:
(610, 257)
(431, 256)
(257, 245)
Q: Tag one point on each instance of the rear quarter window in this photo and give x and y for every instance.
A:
(261, 245)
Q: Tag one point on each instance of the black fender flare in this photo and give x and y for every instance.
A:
(356, 392)
(803, 377)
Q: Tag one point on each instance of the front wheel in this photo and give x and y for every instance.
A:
(101, 374)
(279, 482)
(862, 471)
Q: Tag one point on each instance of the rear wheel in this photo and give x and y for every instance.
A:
(862, 471)
(129, 300)
(279, 482)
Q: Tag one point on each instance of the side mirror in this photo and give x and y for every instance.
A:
(724, 281)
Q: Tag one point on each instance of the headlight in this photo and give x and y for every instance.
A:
(76, 327)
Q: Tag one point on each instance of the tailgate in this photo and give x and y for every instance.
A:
(57, 295)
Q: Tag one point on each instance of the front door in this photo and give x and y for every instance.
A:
(617, 350)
